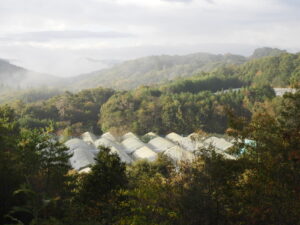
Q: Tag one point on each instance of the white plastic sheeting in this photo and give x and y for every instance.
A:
(177, 147)
(131, 144)
(151, 135)
(115, 147)
(129, 135)
(160, 144)
(105, 142)
(225, 155)
(184, 142)
(77, 143)
(219, 143)
(282, 91)
(122, 155)
(109, 136)
(174, 137)
(177, 154)
(89, 138)
(144, 153)
(82, 158)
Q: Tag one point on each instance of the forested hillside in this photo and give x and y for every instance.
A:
(160, 69)
(260, 187)
(277, 71)
(266, 66)
(183, 105)
(266, 51)
(161, 109)
(154, 70)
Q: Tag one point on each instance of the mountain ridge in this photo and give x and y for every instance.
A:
(161, 68)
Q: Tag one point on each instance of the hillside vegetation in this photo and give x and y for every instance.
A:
(260, 187)
(154, 70)
(160, 69)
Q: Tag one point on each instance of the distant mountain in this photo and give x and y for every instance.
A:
(13, 77)
(153, 70)
(159, 69)
(129, 74)
(266, 51)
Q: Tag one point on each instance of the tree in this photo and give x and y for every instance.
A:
(99, 191)
(268, 190)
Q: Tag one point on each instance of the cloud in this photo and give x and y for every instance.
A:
(41, 34)
(183, 1)
(44, 36)
(188, 1)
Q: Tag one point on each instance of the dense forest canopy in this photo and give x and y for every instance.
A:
(260, 187)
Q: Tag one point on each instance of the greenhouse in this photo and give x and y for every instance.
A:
(144, 153)
(178, 154)
(89, 138)
(109, 136)
(219, 143)
(129, 135)
(82, 158)
(131, 144)
(160, 144)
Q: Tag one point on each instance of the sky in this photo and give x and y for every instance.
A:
(71, 37)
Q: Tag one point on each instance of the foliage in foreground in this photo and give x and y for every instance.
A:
(260, 187)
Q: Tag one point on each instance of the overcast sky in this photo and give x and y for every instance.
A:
(69, 37)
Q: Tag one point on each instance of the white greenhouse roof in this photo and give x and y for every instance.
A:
(178, 154)
(184, 142)
(225, 155)
(151, 134)
(75, 143)
(174, 137)
(145, 153)
(115, 147)
(160, 144)
(131, 144)
(89, 138)
(219, 143)
(282, 91)
(105, 142)
(129, 135)
(81, 159)
(122, 155)
(109, 136)
(175, 146)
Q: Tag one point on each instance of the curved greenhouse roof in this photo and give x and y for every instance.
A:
(219, 143)
(131, 144)
(89, 138)
(81, 159)
(160, 144)
(184, 142)
(129, 135)
(178, 154)
(175, 146)
(75, 143)
(122, 155)
(145, 153)
(109, 136)
(105, 142)
(174, 137)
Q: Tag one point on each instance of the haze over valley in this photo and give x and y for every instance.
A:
(149, 112)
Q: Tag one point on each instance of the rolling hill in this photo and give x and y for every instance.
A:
(154, 69)
(159, 69)
(13, 77)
